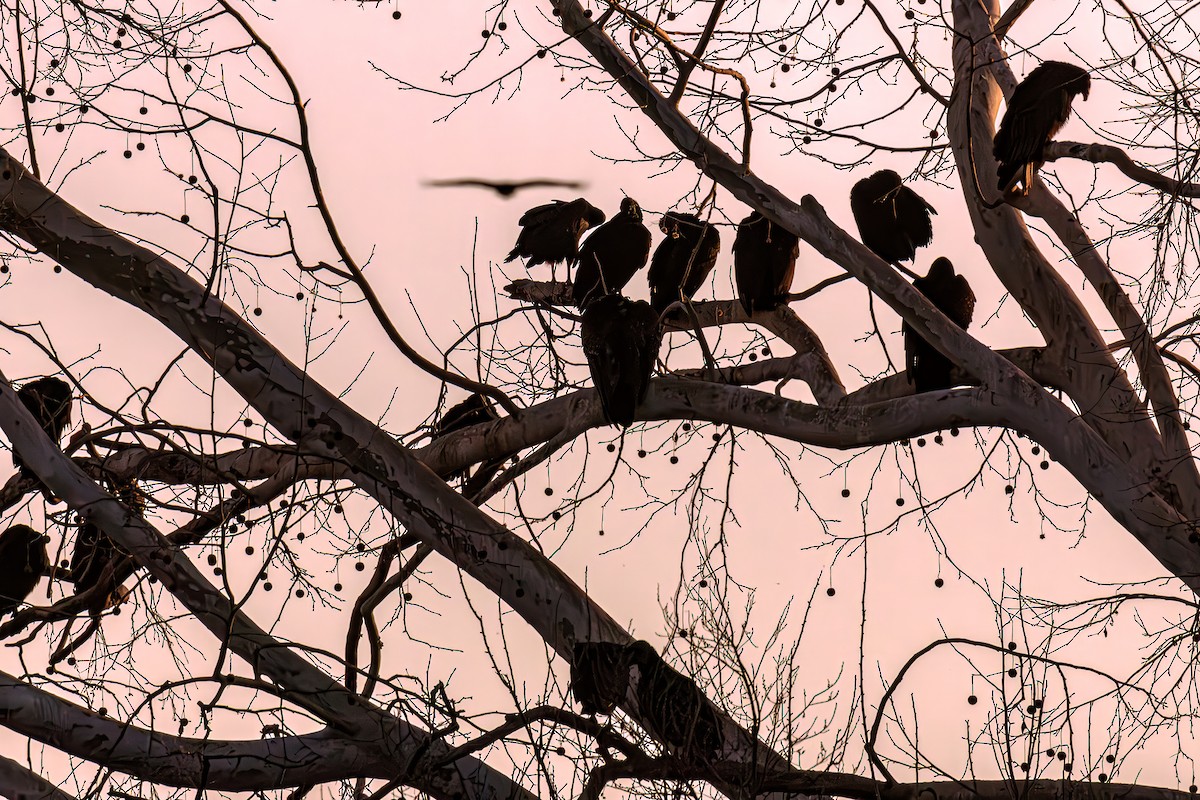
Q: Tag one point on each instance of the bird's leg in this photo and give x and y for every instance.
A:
(904, 269)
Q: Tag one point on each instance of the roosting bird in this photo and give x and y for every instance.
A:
(612, 254)
(621, 338)
(475, 410)
(504, 188)
(951, 294)
(49, 400)
(95, 553)
(23, 560)
(893, 220)
(682, 261)
(550, 233)
(764, 261)
(599, 676)
(674, 709)
(1037, 110)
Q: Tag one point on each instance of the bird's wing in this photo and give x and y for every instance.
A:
(540, 215)
(966, 302)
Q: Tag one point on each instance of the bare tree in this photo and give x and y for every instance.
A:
(249, 528)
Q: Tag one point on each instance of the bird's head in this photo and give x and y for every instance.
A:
(642, 653)
(669, 225)
(1083, 86)
(630, 208)
(941, 269)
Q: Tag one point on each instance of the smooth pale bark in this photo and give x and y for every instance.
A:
(412, 753)
(324, 426)
(254, 765)
(1114, 450)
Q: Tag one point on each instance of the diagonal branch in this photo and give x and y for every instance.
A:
(1098, 153)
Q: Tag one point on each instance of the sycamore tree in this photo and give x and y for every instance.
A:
(310, 593)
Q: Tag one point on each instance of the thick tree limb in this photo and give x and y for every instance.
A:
(21, 783)
(246, 766)
(1095, 382)
(299, 682)
(322, 425)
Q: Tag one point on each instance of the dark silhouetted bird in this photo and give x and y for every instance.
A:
(764, 261)
(951, 294)
(550, 233)
(475, 410)
(599, 676)
(614, 251)
(1037, 110)
(49, 400)
(621, 338)
(504, 188)
(893, 220)
(673, 709)
(682, 261)
(23, 561)
(94, 558)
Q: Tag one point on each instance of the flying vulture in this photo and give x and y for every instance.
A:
(612, 254)
(764, 260)
(599, 676)
(49, 400)
(475, 410)
(682, 261)
(893, 220)
(23, 560)
(674, 710)
(951, 294)
(505, 188)
(550, 233)
(621, 338)
(1037, 110)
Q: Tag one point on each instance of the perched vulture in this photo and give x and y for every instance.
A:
(764, 260)
(612, 254)
(951, 294)
(475, 410)
(95, 553)
(550, 233)
(504, 188)
(621, 338)
(893, 220)
(599, 676)
(49, 400)
(674, 710)
(23, 560)
(682, 261)
(1037, 110)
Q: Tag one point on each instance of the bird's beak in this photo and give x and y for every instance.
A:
(1085, 94)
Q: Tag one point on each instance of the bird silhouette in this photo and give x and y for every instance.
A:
(951, 294)
(612, 254)
(475, 410)
(893, 220)
(599, 676)
(682, 261)
(674, 710)
(504, 188)
(764, 261)
(550, 233)
(23, 561)
(49, 401)
(621, 338)
(94, 556)
(1037, 110)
